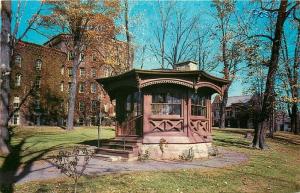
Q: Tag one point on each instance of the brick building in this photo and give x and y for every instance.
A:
(47, 102)
(237, 114)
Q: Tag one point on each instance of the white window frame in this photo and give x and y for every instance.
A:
(81, 87)
(18, 80)
(81, 71)
(18, 60)
(38, 64)
(93, 87)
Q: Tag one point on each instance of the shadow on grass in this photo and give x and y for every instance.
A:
(13, 169)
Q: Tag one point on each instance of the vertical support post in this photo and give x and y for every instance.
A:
(99, 123)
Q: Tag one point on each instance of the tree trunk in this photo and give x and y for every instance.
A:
(128, 37)
(4, 74)
(294, 117)
(73, 90)
(223, 109)
(269, 89)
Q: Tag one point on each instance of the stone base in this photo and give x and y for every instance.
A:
(176, 151)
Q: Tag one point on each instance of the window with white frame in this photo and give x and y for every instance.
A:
(16, 102)
(69, 86)
(62, 70)
(94, 105)
(70, 56)
(81, 106)
(81, 72)
(37, 104)
(93, 87)
(93, 72)
(81, 87)
(70, 72)
(81, 57)
(94, 57)
(18, 80)
(62, 86)
(107, 71)
(38, 65)
(38, 83)
(18, 60)
(81, 121)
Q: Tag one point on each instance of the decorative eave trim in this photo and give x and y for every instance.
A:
(166, 81)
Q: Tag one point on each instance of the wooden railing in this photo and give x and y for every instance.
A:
(166, 124)
(199, 126)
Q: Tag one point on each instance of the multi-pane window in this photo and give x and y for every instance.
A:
(18, 60)
(94, 57)
(69, 86)
(70, 56)
(37, 104)
(166, 103)
(106, 71)
(70, 72)
(38, 83)
(81, 121)
(81, 87)
(62, 86)
(93, 72)
(198, 105)
(18, 80)
(94, 105)
(16, 102)
(38, 65)
(93, 87)
(62, 70)
(81, 106)
(81, 72)
(93, 120)
(81, 57)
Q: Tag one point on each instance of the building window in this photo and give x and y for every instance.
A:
(81, 106)
(16, 118)
(94, 105)
(18, 60)
(70, 72)
(166, 103)
(93, 120)
(38, 83)
(38, 65)
(81, 87)
(94, 57)
(69, 86)
(81, 57)
(107, 71)
(93, 72)
(81, 72)
(16, 102)
(198, 105)
(18, 80)
(81, 121)
(62, 70)
(62, 86)
(70, 56)
(37, 104)
(93, 87)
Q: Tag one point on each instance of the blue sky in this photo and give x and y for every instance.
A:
(145, 16)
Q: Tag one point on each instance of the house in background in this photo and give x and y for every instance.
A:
(237, 113)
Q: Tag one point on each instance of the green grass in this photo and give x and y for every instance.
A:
(31, 143)
(276, 169)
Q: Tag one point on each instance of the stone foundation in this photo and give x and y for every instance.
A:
(176, 151)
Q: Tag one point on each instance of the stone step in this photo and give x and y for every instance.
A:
(119, 146)
(109, 158)
(114, 152)
(127, 141)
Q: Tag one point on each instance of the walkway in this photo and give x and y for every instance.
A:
(43, 170)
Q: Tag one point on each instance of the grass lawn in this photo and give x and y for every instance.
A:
(276, 169)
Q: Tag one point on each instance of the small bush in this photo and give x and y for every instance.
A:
(187, 156)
